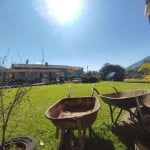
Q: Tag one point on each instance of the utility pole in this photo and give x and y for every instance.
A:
(43, 57)
(87, 69)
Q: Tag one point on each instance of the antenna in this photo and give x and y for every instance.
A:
(20, 56)
(27, 61)
(43, 57)
(4, 58)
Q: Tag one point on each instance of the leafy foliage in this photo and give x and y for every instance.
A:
(9, 101)
(147, 77)
(141, 72)
(107, 69)
(144, 67)
(90, 79)
(93, 79)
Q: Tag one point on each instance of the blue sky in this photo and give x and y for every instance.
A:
(100, 32)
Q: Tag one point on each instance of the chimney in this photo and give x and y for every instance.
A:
(46, 63)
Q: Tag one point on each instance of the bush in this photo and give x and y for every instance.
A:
(84, 80)
(91, 79)
(112, 72)
(61, 80)
(147, 77)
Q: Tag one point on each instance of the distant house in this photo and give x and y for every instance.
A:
(35, 73)
(3, 74)
(110, 76)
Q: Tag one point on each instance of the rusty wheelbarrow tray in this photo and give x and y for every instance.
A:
(125, 100)
(75, 113)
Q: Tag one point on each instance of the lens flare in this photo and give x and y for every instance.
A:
(60, 10)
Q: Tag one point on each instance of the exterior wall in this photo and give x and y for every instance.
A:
(39, 73)
(75, 73)
(20, 75)
(33, 76)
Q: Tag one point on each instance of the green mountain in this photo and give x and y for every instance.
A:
(139, 63)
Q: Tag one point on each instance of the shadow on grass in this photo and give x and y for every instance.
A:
(128, 134)
(96, 143)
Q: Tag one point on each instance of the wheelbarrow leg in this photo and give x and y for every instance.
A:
(61, 144)
(111, 113)
(81, 138)
(90, 131)
(139, 109)
(57, 133)
(66, 141)
(118, 116)
(81, 133)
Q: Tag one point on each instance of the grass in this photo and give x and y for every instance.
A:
(145, 80)
(29, 119)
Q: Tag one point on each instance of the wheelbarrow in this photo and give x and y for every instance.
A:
(73, 113)
(126, 100)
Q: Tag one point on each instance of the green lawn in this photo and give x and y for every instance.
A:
(30, 119)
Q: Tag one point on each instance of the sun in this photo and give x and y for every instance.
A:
(60, 10)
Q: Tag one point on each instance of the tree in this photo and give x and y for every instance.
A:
(112, 72)
(145, 70)
(8, 105)
(10, 99)
(145, 67)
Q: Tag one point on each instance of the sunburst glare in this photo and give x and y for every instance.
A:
(61, 11)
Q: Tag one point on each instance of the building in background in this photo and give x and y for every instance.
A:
(39, 73)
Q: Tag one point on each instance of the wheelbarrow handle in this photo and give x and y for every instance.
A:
(69, 91)
(114, 88)
(95, 90)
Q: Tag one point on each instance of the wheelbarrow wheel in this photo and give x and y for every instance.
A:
(23, 143)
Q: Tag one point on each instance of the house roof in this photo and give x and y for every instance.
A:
(41, 66)
(32, 70)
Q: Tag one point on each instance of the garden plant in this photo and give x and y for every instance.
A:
(10, 100)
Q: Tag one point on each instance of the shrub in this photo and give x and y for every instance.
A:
(93, 79)
(84, 79)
